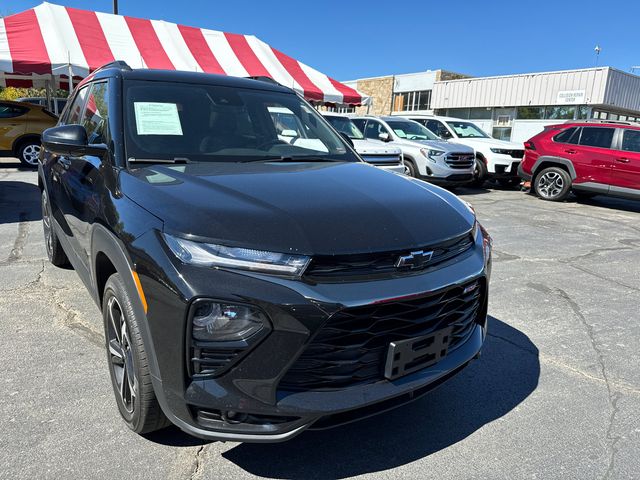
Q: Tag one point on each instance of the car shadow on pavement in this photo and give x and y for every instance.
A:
(15, 164)
(505, 375)
(19, 202)
(613, 203)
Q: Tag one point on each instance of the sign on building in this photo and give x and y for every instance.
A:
(570, 96)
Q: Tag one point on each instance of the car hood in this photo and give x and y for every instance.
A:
(447, 147)
(310, 208)
(480, 143)
(367, 147)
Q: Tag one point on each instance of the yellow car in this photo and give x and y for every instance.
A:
(20, 127)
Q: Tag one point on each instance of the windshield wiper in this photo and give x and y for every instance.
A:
(176, 160)
(292, 158)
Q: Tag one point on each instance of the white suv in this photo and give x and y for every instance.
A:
(495, 159)
(426, 156)
(385, 156)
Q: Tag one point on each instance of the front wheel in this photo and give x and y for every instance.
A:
(410, 169)
(553, 184)
(55, 253)
(128, 361)
(479, 174)
(29, 152)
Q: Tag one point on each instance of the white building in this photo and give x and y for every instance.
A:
(510, 107)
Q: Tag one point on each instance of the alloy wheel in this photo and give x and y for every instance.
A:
(550, 185)
(121, 355)
(46, 224)
(30, 154)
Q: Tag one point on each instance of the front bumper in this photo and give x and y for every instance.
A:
(504, 168)
(297, 311)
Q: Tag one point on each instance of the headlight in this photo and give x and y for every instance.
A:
(431, 154)
(223, 322)
(500, 151)
(211, 255)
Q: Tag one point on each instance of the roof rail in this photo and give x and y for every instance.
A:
(119, 64)
(601, 120)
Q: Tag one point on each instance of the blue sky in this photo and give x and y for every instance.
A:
(349, 39)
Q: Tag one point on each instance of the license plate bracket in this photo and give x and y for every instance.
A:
(408, 356)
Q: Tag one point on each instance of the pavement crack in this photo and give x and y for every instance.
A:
(198, 464)
(613, 396)
(21, 239)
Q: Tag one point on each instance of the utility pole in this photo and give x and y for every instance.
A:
(115, 7)
(597, 50)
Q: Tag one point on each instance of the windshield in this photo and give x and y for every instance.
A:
(467, 130)
(208, 123)
(346, 126)
(411, 130)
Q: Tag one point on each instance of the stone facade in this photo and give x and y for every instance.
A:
(380, 89)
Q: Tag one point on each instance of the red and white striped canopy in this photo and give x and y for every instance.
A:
(55, 40)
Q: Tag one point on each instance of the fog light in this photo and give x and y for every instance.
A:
(223, 322)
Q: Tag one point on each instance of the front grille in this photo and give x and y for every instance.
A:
(374, 265)
(381, 159)
(351, 347)
(460, 160)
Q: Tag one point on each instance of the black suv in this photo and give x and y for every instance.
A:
(250, 287)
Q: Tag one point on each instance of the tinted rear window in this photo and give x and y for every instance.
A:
(570, 135)
(597, 137)
(631, 141)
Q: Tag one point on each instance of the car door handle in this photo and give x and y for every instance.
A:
(571, 151)
(622, 160)
(64, 162)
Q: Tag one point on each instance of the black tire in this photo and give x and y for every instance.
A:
(28, 153)
(410, 169)
(479, 174)
(553, 184)
(128, 361)
(55, 252)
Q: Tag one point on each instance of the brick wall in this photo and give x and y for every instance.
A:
(380, 90)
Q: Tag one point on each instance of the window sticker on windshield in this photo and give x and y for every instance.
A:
(400, 133)
(154, 118)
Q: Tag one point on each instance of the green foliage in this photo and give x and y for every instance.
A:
(12, 93)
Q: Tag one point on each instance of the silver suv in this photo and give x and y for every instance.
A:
(426, 156)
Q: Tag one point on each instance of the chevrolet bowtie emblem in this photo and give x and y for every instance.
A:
(414, 260)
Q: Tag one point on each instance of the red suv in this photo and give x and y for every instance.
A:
(588, 158)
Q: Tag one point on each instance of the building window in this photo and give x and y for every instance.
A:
(502, 133)
(559, 113)
(530, 113)
(583, 112)
(482, 113)
(410, 101)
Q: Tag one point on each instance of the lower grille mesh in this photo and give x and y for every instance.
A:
(351, 348)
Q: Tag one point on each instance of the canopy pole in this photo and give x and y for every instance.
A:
(70, 71)
(47, 89)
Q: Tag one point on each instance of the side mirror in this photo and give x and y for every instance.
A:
(347, 139)
(70, 140)
(384, 136)
(289, 133)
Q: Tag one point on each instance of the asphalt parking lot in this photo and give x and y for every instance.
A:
(556, 393)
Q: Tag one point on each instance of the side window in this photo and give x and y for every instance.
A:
(359, 122)
(73, 117)
(570, 135)
(96, 113)
(597, 136)
(631, 141)
(438, 128)
(374, 129)
(11, 111)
